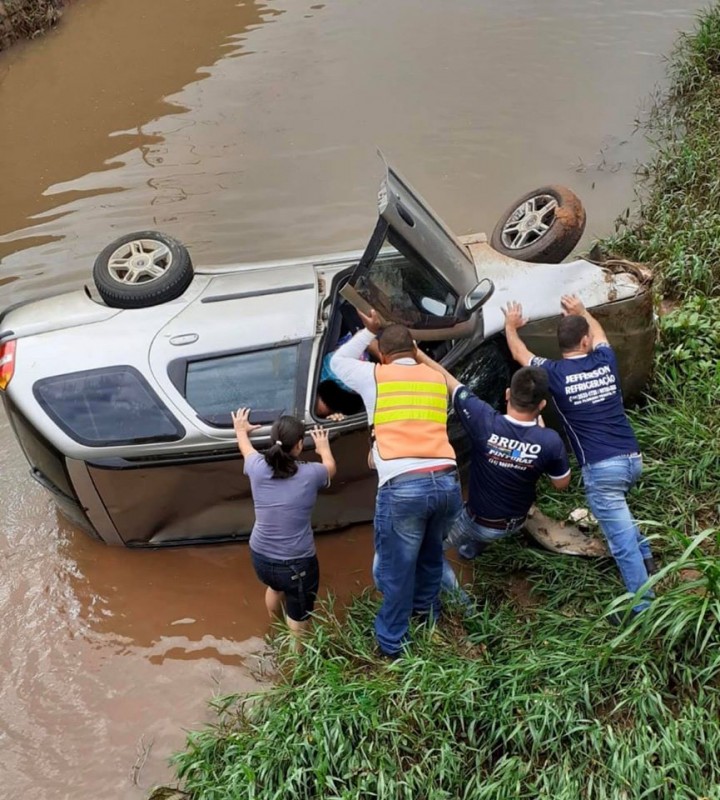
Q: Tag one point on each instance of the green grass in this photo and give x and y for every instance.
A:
(537, 696)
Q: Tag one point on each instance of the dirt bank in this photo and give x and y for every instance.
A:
(25, 19)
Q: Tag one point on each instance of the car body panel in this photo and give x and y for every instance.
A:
(54, 313)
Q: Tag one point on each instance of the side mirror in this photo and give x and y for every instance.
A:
(477, 297)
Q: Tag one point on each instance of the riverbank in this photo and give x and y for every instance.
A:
(535, 695)
(25, 19)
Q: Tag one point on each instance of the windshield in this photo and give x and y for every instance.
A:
(263, 380)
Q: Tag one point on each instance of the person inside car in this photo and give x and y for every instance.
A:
(335, 400)
(284, 491)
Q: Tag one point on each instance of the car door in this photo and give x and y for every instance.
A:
(414, 271)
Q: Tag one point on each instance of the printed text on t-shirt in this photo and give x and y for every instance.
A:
(591, 387)
(504, 452)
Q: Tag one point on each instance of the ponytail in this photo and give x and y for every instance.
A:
(286, 433)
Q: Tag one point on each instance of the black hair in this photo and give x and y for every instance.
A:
(286, 432)
(570, 331)
(395, 339)
(528, 388)
(339, 400)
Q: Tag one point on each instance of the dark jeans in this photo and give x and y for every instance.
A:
(411, 519)
(297, 579)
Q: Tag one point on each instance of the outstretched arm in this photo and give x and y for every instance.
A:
(322, 448)
(513, 320)
(241, 423)
(572, 304)
(452, 382)
(346, 362)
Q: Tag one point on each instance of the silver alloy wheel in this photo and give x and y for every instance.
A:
(529, 221)
(139, 261)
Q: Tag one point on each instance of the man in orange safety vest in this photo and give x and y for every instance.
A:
(418, 485)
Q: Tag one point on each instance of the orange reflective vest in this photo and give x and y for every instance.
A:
(410, 419)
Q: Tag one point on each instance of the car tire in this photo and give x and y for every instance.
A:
(542, 226)
(142, 269)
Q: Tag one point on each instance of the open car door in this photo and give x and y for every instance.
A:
(414, 271)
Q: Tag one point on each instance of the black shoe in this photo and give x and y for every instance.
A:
(650, 565)
(381, 654)
(619, 619)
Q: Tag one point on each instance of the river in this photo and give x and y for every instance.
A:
(249, 130)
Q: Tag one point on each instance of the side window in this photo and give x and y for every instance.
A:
(263, 380)
(111, 406)
(408, 291)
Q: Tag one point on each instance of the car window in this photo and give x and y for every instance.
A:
(405, 289)
(265, 381)
(110, 406)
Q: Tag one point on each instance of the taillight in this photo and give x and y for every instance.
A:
(7, 363)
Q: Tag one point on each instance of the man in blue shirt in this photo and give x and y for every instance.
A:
(585, 385)
(509, 454)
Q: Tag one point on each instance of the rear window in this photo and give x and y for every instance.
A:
(110, 406)
(263, 380)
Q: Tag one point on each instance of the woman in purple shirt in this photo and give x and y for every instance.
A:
(284, 491)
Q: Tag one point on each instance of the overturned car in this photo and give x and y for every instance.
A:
(120, 393)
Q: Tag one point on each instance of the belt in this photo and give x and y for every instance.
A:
(498, 524)
(415, 474)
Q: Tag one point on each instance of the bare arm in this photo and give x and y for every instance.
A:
(452, 382)
(322, 448)
(513, 320)
(241, 423)
(561, 483)
(572, 304)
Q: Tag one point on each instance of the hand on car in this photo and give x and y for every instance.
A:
(241, 421)
(320, 437)
(371, 321)
(514, 315)
(572, 305)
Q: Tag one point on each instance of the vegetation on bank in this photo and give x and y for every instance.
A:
(535, 695)
(25, 19)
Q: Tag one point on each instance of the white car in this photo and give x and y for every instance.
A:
(120, 392)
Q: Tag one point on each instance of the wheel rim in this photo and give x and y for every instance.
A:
(140, 261)
(529, 222)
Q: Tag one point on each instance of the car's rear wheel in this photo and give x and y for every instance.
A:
(142, 269)
(542, 226)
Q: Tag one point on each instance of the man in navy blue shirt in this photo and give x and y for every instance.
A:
(509, 454)
(585, 385)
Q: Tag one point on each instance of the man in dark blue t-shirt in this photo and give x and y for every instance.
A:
(585, 385)
(509, 454)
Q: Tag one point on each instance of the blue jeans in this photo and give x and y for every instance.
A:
(469, 538)
(606, 486)
(411, 519)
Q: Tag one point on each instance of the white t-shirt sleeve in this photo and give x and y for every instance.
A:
(347, 366)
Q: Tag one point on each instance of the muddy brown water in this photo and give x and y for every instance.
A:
(248, 130)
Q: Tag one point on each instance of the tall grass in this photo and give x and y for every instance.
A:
(535, 695)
